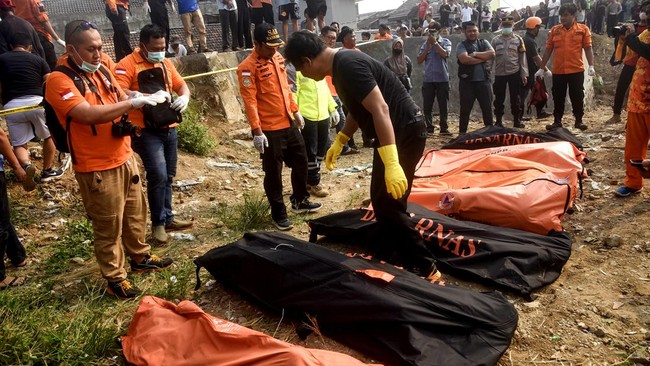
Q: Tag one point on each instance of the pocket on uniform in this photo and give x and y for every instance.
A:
(266, 86)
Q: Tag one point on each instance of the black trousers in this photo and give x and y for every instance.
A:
(513, 83)
(48, 48)
(120, 32)
(244, 25)
(612, 20)
(624, 81)
(429, 93)
(399, 242)
(9, 243)
(285, 146)
(316, 136)
(160, 18)
(469, 92)
(575, 83)
(228, 25)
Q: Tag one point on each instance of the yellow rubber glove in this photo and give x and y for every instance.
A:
(335, 150)
(396, 183)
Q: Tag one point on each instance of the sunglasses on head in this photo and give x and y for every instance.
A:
(84, 26)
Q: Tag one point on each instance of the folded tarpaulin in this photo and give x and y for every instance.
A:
(494, 136)
(163, 333)
(385, 312)
(514, 259)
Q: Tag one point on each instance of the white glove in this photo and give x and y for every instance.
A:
(146, 8)
(139, 102)
(539, 74)
(591, 71)
(260, 142)
(299, 120)
(180, 104)
(548, 73)
(162, 96)
(61, 42)
(335, 118)
(134, 94)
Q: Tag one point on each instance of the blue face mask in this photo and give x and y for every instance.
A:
(506, 30)
(154, 57)
(87, 66)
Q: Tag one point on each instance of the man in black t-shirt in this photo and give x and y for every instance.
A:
(534, 60)
(21, 82)
(444, 11)
(378, 103)
(11, 24)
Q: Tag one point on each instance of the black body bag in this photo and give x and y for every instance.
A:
(160, 115)
(494, 136)
(508, 258)
(387, 313)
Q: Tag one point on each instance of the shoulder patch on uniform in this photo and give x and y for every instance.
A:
(246, 81)
(245, 73)
(66, 94)
(120, 71)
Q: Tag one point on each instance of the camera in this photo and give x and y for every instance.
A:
(619, 30)
(125, 128)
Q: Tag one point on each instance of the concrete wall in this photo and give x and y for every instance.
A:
(381, 50)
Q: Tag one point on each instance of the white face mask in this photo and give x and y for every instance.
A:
(643, 16)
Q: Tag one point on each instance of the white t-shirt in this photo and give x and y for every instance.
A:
(553, 8)
(466, 14)
(222, 6)
(182, 51)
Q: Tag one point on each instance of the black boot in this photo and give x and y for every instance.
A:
(499, 121)
(581, 126)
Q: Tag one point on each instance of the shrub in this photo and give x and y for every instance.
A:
(193, 135)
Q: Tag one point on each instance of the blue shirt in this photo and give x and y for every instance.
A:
(187, 6)
(2, 163)
(436, 69)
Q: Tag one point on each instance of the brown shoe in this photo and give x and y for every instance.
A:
(177, 224)
(29, 184)
(159, 234)
(616, 118)
(317, 191)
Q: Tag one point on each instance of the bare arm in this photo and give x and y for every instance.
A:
(48, 27)
(547, 55)
(485, 55)
(375, 104)
(351, 126)
(538, 60)
(467, 59)
(589, 52)
(8, 153)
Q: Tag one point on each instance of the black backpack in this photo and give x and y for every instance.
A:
(59, 134)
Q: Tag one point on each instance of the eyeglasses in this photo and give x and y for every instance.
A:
(84, 26)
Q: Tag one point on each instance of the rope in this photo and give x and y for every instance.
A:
(6, 112)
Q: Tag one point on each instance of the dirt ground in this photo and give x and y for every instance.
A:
(596, 313)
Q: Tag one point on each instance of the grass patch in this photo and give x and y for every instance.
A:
(76, 242)
(251, 214)
(43, 328)
(193, 135)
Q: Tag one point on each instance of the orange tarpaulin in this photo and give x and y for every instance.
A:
(526, 187)
(163, 333)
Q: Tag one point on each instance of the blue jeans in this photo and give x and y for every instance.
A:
(159, 154)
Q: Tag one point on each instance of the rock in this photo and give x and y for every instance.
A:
(228, 188)
(241, 320)
(77, 260)
(532, 304)
(617, 305)
(583, 326)
(613, 241)
(605, 138)
(599, 333)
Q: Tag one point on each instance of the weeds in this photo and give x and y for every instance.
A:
(251, 214)
(76, 242)
(193, 136)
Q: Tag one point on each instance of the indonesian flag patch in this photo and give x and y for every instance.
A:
(66, 94)
(120, 71)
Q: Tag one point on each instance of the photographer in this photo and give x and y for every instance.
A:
(637, 129)
(108, 176)
(147, 71)
(629, 59)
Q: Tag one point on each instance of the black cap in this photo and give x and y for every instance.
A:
(267, 34)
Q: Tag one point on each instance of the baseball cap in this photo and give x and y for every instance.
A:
(7, 4)
(267, 34)
(507, 21)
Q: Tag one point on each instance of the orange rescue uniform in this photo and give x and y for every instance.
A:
(379, 37)
(637, 130)
(34, 12)
(265, 90)
(567, 45)
(92, 152)
(127, 70)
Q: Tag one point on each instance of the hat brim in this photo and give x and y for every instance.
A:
(277, 43)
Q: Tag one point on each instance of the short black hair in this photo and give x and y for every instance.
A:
(20, 39)
(434, 25)
(337, 23)
(569, 8)
(344, 32)
(303, 44)
(326, 29)
(150, 31)
(366, 34)
(383, 26)
(469, 24)
(74, 31)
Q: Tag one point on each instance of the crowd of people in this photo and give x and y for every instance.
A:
(110, 110)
